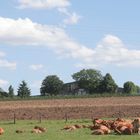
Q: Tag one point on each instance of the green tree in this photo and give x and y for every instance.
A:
(51, 85)
(137, 89)
(23, 90)
(11, 91)
(129, 87)
(88, 79)
(108, 85)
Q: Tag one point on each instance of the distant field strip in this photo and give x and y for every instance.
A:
(73, 108)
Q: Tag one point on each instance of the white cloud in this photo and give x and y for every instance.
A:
(60, 5)
(43, 4)
(36, 67)
(72, 18)
(7, 64)
(26, 32)
(3, 83)
(112, 51)
(109, 51)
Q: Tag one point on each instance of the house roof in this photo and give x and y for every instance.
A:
(70, 83)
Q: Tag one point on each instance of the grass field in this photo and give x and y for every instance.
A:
(56, 109)
(54, 132)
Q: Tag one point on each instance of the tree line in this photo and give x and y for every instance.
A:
(91, 80)
(22, 92)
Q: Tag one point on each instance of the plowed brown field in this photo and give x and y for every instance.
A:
(72, 108)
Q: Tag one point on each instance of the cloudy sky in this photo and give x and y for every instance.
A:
(43, 37)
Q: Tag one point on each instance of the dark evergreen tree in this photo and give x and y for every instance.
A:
(11, 91)
(23, 90)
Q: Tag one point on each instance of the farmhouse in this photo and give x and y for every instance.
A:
(119, 90)
(73, 89)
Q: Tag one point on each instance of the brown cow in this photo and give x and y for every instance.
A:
(73, 127)
(105, 129)
(38, 129)
(120, 126)
(120, 122)
(100, 130)
(97, 121)
(69, 128)
(107, 123)
(78, 126)
(123, 130)
(1, 131)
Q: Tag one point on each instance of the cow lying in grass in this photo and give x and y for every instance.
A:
(119, 126)
(104, 127)
(38, 129)
(72, 127)
(122, 126)
(1, 131)
(101, 130)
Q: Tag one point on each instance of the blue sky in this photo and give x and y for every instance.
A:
(43, 37)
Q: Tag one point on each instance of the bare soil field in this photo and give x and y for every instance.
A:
(72, 108)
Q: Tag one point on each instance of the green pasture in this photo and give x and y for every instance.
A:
(54, 131)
